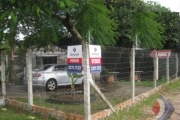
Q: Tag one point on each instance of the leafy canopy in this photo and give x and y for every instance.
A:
(170, 21)
(133, 19)
(44, 22)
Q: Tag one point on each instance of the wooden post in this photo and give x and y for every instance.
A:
(3, 76)
(87, 77)
(29, 75)
(132, 71)
(167, 68)
(177, 65)
(155, 78)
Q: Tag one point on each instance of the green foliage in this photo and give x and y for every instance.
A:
(45, 22)
(149, 31)
(4, 47)
(74, 77)
(134, 19)
(153, 6)
(170, 21)
(10, 113)
(68, 3)
(13, 17)
(12, 1)
(61, 5)
(93, 17)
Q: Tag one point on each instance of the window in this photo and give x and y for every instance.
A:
(60, 67)
(49, 60)
(42, 68)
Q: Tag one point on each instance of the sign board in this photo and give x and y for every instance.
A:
(162, 108)
(74, 59)
(95, 58)
(160, 53)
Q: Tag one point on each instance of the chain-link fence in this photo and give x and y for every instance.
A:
(52, 87)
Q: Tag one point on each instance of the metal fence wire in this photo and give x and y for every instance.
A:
(114, 81)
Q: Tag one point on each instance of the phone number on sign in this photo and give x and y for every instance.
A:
(75, 67)
(95, 68)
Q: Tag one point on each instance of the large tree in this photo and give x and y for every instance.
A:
(43, 22)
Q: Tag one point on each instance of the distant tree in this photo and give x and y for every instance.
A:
(134, 19)
(153, 6)
(170, 21)
(148, 30)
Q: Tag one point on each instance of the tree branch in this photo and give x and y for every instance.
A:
(66, 21)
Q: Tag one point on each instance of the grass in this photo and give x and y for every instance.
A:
(133, 113)
(136, 112)
(9, 113)
(146, 83)
(68, 108)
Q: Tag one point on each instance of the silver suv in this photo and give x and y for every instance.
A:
(52, 76)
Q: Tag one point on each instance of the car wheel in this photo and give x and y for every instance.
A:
(51, 85)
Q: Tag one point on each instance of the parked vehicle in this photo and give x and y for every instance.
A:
(51, 76)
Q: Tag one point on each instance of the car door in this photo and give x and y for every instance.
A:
(61, 75)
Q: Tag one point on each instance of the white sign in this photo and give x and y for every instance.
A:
(74, 59)
(95, 58)
(94, 51)
(74, 51)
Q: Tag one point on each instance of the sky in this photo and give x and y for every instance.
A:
(174, 5)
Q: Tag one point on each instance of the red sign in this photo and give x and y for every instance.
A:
(160, 53)
(95, 61)
(74, 60)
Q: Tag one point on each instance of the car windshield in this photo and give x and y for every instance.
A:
(42, 68)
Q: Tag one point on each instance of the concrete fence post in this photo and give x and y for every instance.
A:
(177, 64)
(29, 75)
(167, 68)
(7, 66)
(3, 82)
(155, 78)
(87, 77)
(132, 71)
